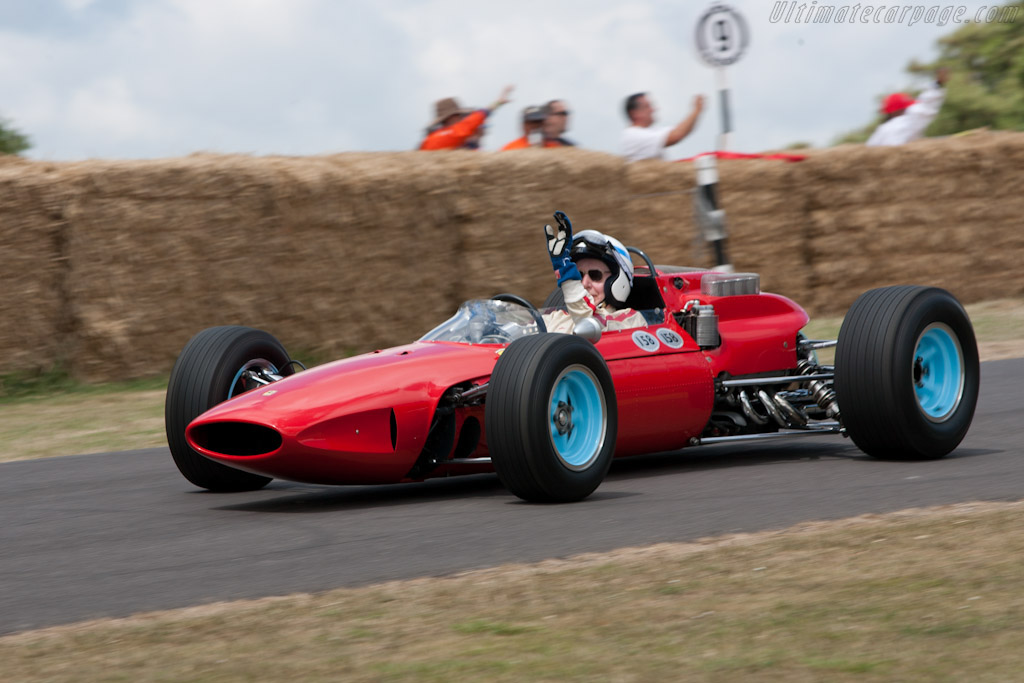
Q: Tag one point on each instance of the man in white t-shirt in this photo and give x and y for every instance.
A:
(906, 118)
(642, 139)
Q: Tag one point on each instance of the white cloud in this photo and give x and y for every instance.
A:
(108, 109)
(76, 5)
(166, 77)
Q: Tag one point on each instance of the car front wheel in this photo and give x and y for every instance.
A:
(551, 418)
(211, 369)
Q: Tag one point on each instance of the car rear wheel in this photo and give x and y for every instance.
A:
(906, 372)
(551, 418)
(211, 369)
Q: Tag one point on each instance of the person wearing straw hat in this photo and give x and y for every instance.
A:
(453, 125)
(906, 118)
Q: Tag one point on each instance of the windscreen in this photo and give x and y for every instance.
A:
(485, 321)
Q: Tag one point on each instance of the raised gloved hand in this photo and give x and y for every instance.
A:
(559, 245)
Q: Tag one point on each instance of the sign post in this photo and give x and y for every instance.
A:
(721, 39)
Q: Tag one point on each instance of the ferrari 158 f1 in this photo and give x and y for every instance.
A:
(490, 390)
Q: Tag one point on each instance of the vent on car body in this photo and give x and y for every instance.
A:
(730, 284)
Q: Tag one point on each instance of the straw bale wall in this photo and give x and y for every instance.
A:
(110, 266)
(942, 212)
(35, 318)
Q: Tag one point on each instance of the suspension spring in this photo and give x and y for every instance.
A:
(822, 392)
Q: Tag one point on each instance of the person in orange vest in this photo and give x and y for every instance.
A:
(533, 133)
(453, 126)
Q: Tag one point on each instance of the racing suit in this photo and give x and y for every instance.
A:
(579, 305)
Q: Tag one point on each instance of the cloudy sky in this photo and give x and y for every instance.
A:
(164, 78)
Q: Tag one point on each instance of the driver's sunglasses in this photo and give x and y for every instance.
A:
(596, 275)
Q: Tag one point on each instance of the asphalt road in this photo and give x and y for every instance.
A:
(113, 534)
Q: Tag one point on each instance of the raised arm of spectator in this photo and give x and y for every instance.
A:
(455, 135)
(686, 125)
(924, 110)
(503, 98)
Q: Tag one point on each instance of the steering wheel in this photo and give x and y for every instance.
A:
(516, 299)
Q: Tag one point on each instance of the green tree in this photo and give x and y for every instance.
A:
(11, 141)
(986, 81)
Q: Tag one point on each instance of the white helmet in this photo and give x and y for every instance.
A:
(594, 244)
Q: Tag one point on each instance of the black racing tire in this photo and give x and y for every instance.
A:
(201, 378)
(556, 299)
(906, 372)
(551, 418)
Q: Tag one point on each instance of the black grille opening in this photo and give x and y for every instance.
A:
(469, 438)
(236, 438)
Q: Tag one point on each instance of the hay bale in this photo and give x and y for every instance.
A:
(314, 251)
(34, 305)
(659, 213)
(113, 265)
(511, 196)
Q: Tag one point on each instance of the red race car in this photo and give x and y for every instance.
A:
(491, 390)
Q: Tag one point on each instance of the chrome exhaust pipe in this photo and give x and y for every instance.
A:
(793, 416)
(749, 411)
(772, 409)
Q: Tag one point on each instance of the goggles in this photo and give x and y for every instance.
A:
(596, 276)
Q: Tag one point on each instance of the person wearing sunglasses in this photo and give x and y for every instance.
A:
(595, 274)
(555, 124)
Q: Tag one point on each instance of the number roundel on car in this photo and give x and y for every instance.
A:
(646, 341)
(669, 338)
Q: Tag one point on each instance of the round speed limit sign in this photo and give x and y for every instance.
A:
(721, 36)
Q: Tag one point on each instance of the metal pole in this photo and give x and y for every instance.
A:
(723, 101)
(712, 218)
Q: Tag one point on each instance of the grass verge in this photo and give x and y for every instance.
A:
(918, 595)
(51, 415)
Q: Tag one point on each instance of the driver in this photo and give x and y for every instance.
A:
(596, 276)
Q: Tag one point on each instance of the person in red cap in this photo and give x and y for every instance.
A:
(906, 118)
(454, 126)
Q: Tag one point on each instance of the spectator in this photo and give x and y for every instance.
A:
(555, 125)
(643, 140)
(533, 136)
(906, 118)
(474, 141)
(453, 126)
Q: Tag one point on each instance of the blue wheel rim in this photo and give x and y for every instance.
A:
(938, 372)
(577, 417)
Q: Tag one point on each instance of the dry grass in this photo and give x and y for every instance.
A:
(119, 420)
(71, 424)
(998, 326)
(918, 595)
